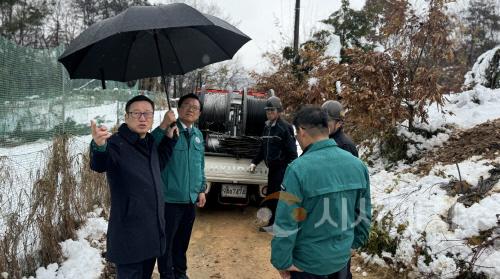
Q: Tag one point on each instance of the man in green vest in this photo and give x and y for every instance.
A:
(184, 186)
(324, 208)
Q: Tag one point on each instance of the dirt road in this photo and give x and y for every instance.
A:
(227, 244)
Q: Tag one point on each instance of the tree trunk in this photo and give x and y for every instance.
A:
(411, 115)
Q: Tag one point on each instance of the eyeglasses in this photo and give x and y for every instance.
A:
(138, 114)
(190, 107)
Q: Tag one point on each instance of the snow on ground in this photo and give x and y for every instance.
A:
(478, 73)
(83, 256)
(428, 217)
(461, 111)
(479, 217)
(468, 109)
(107, 113)
(432, 219)
(23, 162)
(423, 207)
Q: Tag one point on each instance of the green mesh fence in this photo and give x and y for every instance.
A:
(38, 100)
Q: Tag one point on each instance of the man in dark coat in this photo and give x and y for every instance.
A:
(133, 164)
(335, 125)
(278, 149)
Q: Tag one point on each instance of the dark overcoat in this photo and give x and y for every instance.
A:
(136, 229)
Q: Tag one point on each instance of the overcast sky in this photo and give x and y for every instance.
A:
(270, 23)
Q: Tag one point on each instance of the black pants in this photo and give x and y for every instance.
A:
(349, 274)
(341, 274)
(179, 219)
(140, 270)
(274, 180)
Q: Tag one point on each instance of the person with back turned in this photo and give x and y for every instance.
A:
(324, 209)
(335, 113)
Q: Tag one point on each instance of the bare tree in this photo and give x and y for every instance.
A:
(22, 21)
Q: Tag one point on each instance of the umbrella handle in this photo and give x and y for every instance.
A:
(103, 80)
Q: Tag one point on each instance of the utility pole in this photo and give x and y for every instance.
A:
(296, 29)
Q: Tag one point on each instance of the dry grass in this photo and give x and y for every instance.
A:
(62, 192)
(15, 246)
(54, 207)
(94, 189)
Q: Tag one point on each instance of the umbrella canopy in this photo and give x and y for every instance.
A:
(150, 41)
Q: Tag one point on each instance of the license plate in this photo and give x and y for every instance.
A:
(233, 191)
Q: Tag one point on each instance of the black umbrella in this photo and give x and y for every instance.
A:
(150, 41)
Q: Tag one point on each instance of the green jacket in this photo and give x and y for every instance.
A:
(184, 175)
(328, 189)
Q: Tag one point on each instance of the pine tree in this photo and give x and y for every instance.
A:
(351, 26)
(483, 26)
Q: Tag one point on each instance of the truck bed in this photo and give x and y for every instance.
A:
(232, 170)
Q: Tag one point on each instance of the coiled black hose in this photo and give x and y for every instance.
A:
(238, 146)
(256, 116)
(217, 126)
(215, 113)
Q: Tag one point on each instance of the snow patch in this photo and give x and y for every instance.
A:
(333, 47)
(479, 217)
(82, 260)
(423, 208)
(477, 76)
(464, 110)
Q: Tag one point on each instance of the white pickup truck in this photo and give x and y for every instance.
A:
(230, 182)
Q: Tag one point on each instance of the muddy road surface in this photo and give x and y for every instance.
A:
(226, 243)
